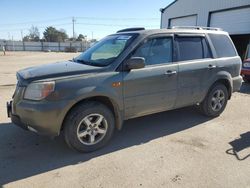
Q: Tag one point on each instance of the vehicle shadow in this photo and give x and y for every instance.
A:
(245, 88)
(24, 154)
(239, 145)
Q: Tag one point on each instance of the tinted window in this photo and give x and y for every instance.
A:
(223, 45)
(156, 51)
(206, 49)
(189, 48)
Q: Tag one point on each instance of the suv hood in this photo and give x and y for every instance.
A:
(66, 68)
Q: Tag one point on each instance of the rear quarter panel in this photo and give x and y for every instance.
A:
(227, 69)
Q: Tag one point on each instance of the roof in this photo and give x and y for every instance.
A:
(163, 9)
(174, 30)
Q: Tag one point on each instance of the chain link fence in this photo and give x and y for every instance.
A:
(45, 46)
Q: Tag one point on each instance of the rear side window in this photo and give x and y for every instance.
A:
(223, 45)
(191, 48)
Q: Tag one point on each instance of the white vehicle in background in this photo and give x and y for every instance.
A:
(245, 72)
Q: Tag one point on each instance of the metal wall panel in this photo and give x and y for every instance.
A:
(184, 21)
(235, 21)
(200, 7)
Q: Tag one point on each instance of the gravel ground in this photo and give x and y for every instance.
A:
(179, 148)
(14, 61)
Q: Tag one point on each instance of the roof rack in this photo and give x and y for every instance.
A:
(131, 29)
(196, 27)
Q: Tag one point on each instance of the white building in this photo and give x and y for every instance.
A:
(232, 16)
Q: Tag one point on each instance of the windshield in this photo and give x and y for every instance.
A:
(105, 51)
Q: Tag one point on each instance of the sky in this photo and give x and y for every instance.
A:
(94, 18)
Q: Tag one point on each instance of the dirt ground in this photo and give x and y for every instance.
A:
(14, 61)
(179, 148)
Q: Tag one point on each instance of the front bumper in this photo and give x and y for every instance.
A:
(44, 118)
(14, 119)
(237, 82)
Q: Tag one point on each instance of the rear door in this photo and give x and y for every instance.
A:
(196, 68)
(154, 87)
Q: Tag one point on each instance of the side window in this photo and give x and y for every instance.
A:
(156, 51)
(223, 45)
(189, 48)
(206, 49)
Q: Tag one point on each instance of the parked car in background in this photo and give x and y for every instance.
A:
(245, 72)
(131, 73)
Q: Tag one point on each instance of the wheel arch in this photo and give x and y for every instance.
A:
(226, 82)
(107, 101)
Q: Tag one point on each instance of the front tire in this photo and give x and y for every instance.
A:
(89, 127)
(215, 102)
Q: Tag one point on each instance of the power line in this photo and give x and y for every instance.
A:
(114, 25)
(89, 18)
(39, 27)
(118, 19)
(80, 23)
(32, 22)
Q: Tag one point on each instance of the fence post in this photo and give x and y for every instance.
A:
(42, 46)
(23, 46)
(5, 46)
(58, 46)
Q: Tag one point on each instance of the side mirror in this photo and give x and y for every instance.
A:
(135, 63)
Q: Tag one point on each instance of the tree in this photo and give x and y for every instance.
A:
(93, 40)
(81, 37)
(34, 35)
(51, 34)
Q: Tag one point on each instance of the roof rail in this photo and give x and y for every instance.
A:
(196, 27)
(131, 29)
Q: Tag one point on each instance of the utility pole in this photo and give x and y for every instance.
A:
(73, 24)
(9, 36)
(22, 40)
(13, 45)
(22, 34)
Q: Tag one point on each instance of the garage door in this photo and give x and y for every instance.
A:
(235, 21)
(184, 21)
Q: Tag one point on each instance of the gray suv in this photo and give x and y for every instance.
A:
(131, 73)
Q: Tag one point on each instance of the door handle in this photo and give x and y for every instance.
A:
(212, 66)
(170, 72)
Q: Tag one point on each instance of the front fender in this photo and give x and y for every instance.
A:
(101, 85)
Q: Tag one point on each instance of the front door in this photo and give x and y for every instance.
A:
(153, 88)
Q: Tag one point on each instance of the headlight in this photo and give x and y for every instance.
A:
(246, 65)
(38, 91)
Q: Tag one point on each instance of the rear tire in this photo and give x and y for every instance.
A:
(89, 127)
(215, 102)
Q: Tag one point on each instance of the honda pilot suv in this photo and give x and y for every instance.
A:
(132, 73)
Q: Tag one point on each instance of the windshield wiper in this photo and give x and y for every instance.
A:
(81, 61)
(87, 62)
